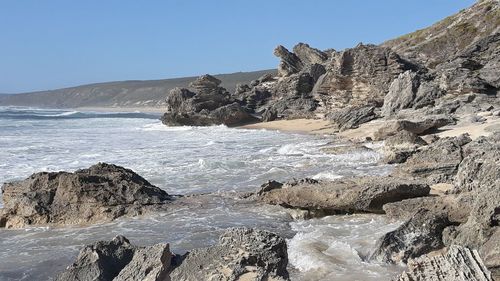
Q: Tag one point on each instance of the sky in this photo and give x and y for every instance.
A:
(58, 43)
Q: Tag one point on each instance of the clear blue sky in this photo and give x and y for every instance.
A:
(59, 43)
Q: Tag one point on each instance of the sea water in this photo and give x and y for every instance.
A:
(185, 160)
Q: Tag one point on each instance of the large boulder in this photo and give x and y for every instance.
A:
(242, 254)
(365, 194)
(118, 260)
(399, 147)
(419, 235)
(100, 193)
(457, 264)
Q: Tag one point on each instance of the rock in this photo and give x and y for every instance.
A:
(268, 186)
(419, 235)
(399, 147)
(100, 193)
(350, 118)
(457, 264)
(479, 167)
(204, 103)
(490, 253)
(430, 138)
(409, 90)
(457, 208)
(358, 77)
(309, 56)
(438, 162)
(418, 126)
(366, 194)
(290, 62)
(118, 260)
(242, 254)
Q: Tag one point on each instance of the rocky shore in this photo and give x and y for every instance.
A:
(404, 93)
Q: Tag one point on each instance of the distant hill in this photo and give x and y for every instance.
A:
(147, 93)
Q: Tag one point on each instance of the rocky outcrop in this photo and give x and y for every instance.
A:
(457, 264)
(242, 254)
(438, 162)
(359, 77)
(410, 90)
(419, 235)
(118, 260)
(204, 103)
(100, 193)
(367, 194)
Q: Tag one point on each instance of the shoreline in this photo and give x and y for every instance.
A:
(158, 110)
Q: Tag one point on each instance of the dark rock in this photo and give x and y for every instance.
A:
(100, 193)
(419, 235)
(118, 260)
(268, 186)
(366, 194)
(350, 118)
(242, 254)
(457, 264)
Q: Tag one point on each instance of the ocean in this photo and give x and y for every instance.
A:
(186, 160)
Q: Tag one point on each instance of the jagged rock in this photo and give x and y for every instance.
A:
(308, 55)
(290, 62)
(350, 118)
(242, 254)
(417, 126)
(358, 77)
(204, 103)
(437, 162)
(480, 166)
(100, 193)
(409, 90)
(457, 264)
(365, 194)
(118, 260)
(419, 235)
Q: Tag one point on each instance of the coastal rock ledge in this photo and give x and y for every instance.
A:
(100, 193)
(241, 254)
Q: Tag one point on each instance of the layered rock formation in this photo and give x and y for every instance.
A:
(204, 103)
(242, 254)
(100, 193)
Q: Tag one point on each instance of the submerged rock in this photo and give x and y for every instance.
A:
(457, 264)
(100, 193)
(366, 194)
(419, 235)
